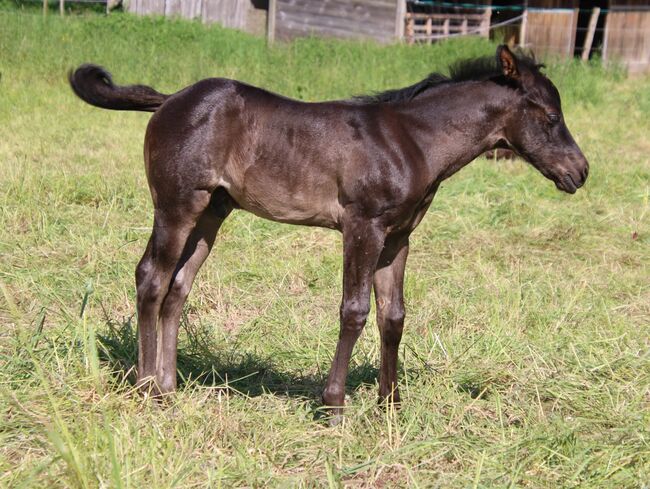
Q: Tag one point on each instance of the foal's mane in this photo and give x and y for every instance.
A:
(478, 69)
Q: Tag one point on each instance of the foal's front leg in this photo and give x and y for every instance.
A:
(362, 244)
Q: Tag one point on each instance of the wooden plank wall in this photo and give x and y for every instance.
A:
(188, 9)
(228, 13)
(147, 7)
(551, 31)
(627, 39)
(374, 19)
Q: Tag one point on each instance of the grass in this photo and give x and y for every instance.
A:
(525, 360)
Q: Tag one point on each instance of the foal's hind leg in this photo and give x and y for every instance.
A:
(389, 296)
(173, 224)
(196, 250)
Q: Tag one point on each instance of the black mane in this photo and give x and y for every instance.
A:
(478, 69)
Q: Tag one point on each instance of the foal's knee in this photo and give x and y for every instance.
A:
(353, 315)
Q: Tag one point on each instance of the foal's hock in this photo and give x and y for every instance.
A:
(367, 166)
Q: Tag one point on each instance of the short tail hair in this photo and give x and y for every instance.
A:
(94, 85)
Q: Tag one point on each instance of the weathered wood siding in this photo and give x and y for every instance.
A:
(147, 7)
(551, 31)
(373, 19)
(228, 13)
(627, 39)
(188, 9)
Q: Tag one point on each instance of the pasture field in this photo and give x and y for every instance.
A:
(526, 355)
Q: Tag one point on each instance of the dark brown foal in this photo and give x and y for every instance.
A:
(368, 167)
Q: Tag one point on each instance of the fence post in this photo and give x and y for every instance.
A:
(62, 7)
(604, 53)
(593, 22)
(270, 22)
(485, 27)
(410, 29)
(522, 29)
(44, 7)
(429, 29)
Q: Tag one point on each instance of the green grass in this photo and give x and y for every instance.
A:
(525, 359)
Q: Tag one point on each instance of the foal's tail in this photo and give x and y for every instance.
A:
(94, 85)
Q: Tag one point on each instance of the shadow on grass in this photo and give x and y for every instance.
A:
(201, 361)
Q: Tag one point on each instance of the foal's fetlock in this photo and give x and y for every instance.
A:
(333, 399)
(389, 399)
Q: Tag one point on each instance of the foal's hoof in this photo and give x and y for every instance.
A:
(148, 388)
(335, 420)
(392, 401)
(333, 409)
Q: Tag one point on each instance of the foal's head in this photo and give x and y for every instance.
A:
(535, 127)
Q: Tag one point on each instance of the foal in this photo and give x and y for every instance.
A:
(368, 167)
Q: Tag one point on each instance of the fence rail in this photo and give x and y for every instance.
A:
(423, 27)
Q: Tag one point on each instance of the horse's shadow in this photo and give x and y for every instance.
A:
(201, 361)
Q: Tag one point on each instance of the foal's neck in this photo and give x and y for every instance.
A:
(457, 122)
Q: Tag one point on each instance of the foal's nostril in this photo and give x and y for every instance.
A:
(584, 173)
(581, 171)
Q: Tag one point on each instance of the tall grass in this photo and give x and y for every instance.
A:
(525, 358)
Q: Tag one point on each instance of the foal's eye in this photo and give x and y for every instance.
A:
(553, 117)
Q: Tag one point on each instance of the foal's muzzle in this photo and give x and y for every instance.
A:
(571, 179)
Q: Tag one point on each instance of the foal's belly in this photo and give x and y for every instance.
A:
(303, 198)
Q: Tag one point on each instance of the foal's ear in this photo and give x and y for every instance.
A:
(508, 62)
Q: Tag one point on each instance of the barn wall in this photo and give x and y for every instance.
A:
(147, 7)
(228, 13)
(374, 19)
(237, 14)
(551, 31)
(627, 39)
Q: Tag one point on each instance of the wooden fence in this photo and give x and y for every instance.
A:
(627, 39)
(423, 27)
